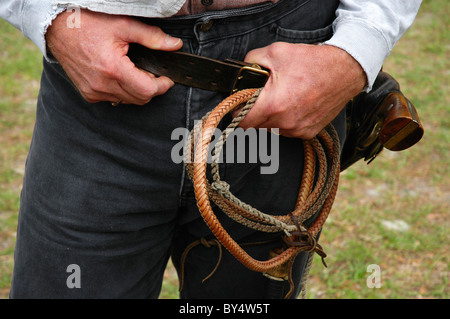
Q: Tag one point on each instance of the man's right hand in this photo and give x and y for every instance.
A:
(94, 56)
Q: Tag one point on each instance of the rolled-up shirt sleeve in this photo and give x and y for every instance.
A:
(31, 17)
(140, 8)
(368, 30)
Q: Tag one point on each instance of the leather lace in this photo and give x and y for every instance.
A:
(313, 196)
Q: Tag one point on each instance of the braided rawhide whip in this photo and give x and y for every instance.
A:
(324, 149)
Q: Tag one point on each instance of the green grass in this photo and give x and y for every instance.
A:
(412, 186)
(20, 67)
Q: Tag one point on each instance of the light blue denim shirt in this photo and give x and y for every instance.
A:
(366, 29)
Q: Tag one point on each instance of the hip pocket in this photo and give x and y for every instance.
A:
(302, 36)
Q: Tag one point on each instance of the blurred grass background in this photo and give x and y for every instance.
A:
(393, 213)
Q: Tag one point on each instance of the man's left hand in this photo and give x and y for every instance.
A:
(309, 85)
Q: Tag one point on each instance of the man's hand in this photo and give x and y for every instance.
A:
(308, 87)
(94, 56)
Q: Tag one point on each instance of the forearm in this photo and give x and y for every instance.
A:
(94, 56)
(368, 30)
(310, 84)
(32, 18)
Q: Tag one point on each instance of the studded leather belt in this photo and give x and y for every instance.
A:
(228, 76)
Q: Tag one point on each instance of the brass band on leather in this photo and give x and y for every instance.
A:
(196, 71)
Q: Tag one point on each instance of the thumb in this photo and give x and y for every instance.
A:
(257, 116)
(258, 56)
(150, 36)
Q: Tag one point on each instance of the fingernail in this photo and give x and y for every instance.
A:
(172, 41)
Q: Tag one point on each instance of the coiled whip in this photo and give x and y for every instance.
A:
(314, 199)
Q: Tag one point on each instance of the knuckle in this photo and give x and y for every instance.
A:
(277, 109)
(150, 91)
(291, 125)
(89, 97)
(309, 135)
(108, 68)
(95, 86)
(309, 131)
(144, 95)
(276, 49)
(142, 101)
(86, 92)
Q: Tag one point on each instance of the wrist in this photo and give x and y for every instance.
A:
(54, 30)
(349, 66)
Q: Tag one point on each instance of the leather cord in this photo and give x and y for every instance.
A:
(324, 149)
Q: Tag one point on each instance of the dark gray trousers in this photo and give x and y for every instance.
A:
(104, 206)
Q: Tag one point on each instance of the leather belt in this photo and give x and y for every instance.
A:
(226, 76)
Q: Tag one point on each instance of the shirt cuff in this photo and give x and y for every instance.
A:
(37, 17)
(148, 9)
(364, 43)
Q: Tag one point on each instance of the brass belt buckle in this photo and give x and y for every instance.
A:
(250, 75)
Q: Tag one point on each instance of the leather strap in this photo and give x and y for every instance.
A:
(196, 71)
